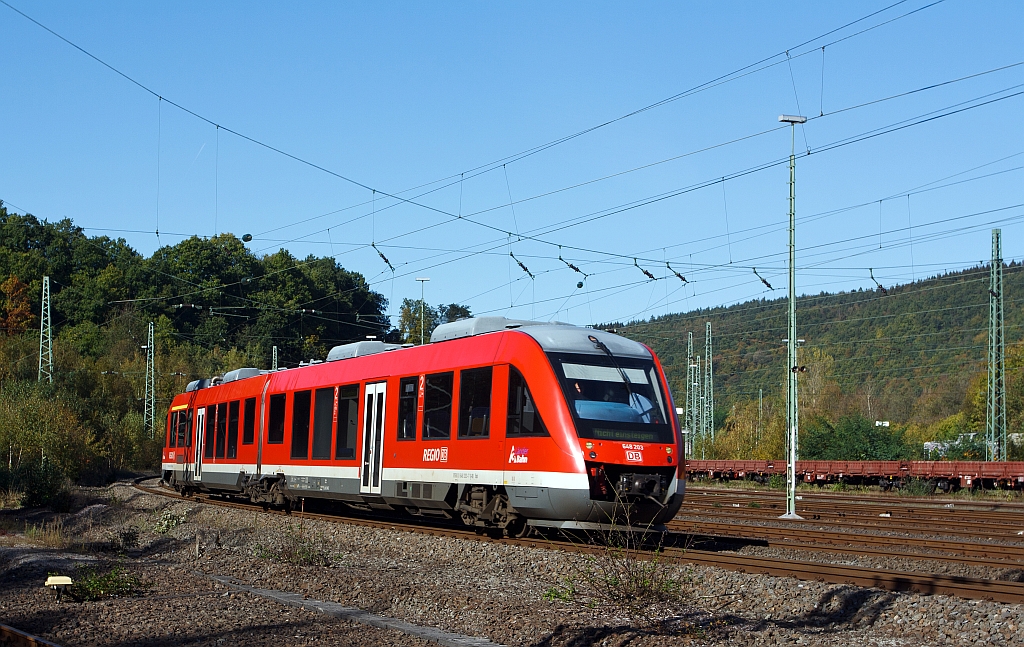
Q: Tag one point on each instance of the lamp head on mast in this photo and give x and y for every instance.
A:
(792, 119)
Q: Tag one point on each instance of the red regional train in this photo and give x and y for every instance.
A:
(497, 422)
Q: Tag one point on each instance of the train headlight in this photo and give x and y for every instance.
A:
(590, 445)
(593, 454)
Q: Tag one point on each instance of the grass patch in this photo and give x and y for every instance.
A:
(11, 498)
(628, 576)
(49, 533)
(90, 584)
(299, 546)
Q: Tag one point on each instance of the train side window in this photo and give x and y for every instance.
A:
(475, 403)
(523, 418)
(300, 424)
(249, 422)
(275, 430)
(437, 406)
(348, 418)
(323, 420)
(407, 408)
(211, 421)
(184, 423)
(222, 428)
(233, 429)
(172, 428)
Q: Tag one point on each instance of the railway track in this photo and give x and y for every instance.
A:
(973, 524)
(945, 508)
(16, 637)
(922, 502)
(676, 552)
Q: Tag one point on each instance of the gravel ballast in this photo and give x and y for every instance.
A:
(505, 593)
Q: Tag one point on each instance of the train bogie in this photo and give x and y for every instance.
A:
(495, 423)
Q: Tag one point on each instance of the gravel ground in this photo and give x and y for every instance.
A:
(510, 594)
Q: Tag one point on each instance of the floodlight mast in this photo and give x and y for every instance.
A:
(792, 412)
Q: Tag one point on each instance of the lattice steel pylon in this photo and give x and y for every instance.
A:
(689, 419)
(149, 415)
(45, 336)
(709, 385)
(273, 363)
(696, 416)
(995, 421)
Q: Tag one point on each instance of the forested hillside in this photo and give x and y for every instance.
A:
(216, 306)
(914, 355)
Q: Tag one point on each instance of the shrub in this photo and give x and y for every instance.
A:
(39, 484)
(627, 575)
(89, 584)
(168, 521)
(123, 539)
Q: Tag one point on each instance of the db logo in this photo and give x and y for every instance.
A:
(634, 457)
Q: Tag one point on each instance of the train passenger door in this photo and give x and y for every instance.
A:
(373, 437)
(197, 471)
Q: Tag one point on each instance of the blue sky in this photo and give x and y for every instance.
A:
(407, 95)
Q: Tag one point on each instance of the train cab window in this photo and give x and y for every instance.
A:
(348, 417)
(437, 406)
(233, 429)
(323, 420)
(211, 421)
(300, 423)
(183, 428)
(275, 430)
(249, 422)
(523, 418)
(172, 429)
(222, 428)
(407, 408)
(475, 403)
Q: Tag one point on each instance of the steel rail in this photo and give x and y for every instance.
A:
(11, 636)
(937, 502)
(1006, 518)
(929, 584)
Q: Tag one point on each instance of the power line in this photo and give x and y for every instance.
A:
(503, 161)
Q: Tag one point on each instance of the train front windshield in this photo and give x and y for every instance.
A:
(616, 399)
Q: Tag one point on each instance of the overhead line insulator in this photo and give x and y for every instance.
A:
(521, 265)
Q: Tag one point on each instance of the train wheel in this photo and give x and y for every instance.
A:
(517, 528)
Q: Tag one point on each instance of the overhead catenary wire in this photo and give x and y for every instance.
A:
(505, 160)
(848, 141)
(389, 263)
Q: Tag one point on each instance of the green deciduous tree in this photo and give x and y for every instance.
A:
(852, 438)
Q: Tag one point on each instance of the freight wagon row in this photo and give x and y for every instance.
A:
(940, 475)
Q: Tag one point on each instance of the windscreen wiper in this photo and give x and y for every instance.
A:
(601, 345)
